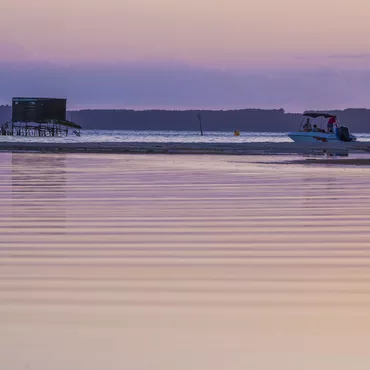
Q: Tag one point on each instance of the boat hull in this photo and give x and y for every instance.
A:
(315, 137)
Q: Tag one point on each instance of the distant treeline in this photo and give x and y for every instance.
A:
(213, 120)
(5, 113)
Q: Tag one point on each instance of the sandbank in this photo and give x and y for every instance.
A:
(187, 148)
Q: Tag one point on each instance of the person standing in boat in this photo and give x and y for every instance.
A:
(331, 122)
(307, 126)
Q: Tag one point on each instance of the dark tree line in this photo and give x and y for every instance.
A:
(212, 120)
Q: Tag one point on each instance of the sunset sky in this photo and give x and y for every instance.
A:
(234, 36)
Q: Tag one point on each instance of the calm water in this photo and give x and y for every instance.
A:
(182, 262)
(170, 136)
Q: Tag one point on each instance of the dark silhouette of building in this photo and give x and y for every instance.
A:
(39, 117)
(38, 109)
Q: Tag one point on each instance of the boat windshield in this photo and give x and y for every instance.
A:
(317, 121)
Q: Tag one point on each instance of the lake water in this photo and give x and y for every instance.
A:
(90, 136)
(182, 262)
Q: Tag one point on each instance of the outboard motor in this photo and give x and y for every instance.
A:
(343, 134)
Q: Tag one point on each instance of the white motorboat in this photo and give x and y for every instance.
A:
(309, 132)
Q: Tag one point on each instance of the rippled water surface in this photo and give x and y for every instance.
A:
(182, 262)
(101, 136)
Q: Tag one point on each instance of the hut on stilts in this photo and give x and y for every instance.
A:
(44, 117)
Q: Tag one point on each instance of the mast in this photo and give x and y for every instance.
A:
(199, 116)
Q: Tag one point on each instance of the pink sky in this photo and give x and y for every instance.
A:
(227, 34)
(291, 54)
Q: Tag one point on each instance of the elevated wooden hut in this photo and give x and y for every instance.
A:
(39, 117)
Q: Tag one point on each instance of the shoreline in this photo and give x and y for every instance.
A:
(333, 161)
(188, 148)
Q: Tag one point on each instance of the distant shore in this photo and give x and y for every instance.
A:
(244, 120)
(188, 148)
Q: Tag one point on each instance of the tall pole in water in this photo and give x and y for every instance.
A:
(200, 123)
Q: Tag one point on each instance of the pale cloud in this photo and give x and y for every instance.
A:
(11, 52)
(350, 56)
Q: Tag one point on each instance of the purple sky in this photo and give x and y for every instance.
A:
(188, 54)
(183, 87)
